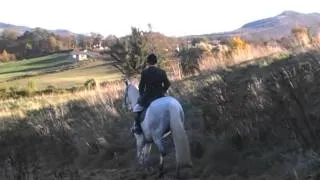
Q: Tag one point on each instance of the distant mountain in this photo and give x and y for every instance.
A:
(22, 29)
(273, 27)
(4, 25)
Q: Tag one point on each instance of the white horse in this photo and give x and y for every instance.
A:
(162, 116)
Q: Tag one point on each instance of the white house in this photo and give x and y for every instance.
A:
(79, 55)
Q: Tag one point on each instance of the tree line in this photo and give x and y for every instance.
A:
(39, 42)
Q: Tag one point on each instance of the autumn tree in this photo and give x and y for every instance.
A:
(9, 34)
(85, 42)
(71, 41)
(36, 42)
(5, 56)
(96, 38)
(52, 44)
(109, 41)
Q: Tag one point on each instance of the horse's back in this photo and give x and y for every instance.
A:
(165, 103)
(158, 115)
(161, 108)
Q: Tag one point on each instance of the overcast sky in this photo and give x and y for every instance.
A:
(171, 17)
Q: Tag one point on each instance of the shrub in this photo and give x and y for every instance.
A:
(13, 91)
(30, 89)
(189, 57)
(238, 43)
(3, 93)
(90, 84)
(196, 41)
(50, 89)
(4, 56)
(302, 36)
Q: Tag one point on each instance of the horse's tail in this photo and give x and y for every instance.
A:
(179, 135)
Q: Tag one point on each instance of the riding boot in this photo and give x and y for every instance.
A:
(138, 129)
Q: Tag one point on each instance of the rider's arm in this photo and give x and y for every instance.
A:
(142, 84)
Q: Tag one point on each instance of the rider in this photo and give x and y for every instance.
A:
(153, 85)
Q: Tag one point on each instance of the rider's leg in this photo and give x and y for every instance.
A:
(138, 110)
(138, 128)
(144, 101)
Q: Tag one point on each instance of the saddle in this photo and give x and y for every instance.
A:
(143, 112)
(142, 116)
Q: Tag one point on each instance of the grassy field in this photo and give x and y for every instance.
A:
(58, 70)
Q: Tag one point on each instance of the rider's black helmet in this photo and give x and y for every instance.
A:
(152, 59)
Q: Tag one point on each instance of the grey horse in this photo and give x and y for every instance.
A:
(164, 116)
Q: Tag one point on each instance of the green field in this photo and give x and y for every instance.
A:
(58, 70)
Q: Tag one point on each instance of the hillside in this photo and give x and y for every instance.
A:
(245, 122)
(273, 27)
(281, 25)
(22, 29)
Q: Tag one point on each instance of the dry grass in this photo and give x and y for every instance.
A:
(12, 107)
(244, 122)
(250, 115)
(60, 128)
(228, 58)
(239, 56)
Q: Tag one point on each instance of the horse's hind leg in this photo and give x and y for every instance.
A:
(161, 172)
(162, 155)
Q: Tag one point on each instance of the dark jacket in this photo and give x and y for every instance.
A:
(153, 84)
